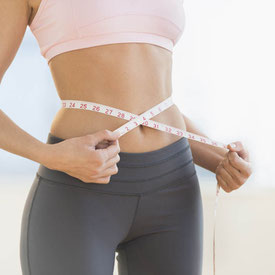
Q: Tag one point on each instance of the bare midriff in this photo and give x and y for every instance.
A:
(129, 76)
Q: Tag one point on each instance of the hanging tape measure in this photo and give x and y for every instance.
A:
(145, 119)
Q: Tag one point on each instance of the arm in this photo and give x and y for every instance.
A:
(81, 157)
(14, 16)
(204, 155)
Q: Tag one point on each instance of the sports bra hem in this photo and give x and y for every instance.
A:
(106, 39)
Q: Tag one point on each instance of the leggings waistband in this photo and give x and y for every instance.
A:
(137, 172)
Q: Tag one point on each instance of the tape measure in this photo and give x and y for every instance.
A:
(145, 119)
(136, 120)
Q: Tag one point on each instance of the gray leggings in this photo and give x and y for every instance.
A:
(150, 213)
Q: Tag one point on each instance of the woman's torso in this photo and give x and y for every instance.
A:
(130, 76)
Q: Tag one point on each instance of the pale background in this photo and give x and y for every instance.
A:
(223, 79)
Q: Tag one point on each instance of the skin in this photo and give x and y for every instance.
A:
(235, 168)
(128, 76)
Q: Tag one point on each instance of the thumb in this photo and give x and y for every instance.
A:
(232, 147)
(239, 149)
(106, 135)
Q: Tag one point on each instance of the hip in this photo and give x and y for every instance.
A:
(138, 173)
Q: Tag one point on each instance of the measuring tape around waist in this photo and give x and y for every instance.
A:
(136, 120)
(145, 119)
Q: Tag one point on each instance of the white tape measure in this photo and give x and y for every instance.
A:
(136, 120)
(145, 119)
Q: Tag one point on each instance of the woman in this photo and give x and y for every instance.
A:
(96, 192)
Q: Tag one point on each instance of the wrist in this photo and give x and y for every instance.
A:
(216, 161)
(207, 156)
(45, 155)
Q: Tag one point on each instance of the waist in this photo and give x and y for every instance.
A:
(75, 122)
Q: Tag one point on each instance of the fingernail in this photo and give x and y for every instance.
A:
(233, 145)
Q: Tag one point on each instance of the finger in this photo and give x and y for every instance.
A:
(228, 179)
(112, 161)
(105, 135)
(109, 171)
(88, 179)
(222, 183)
(235, 173)
(240, 164)
(109, 152)
(107, 143)
(114, 142)
(240, 149)
(102, 180)
(102, 145)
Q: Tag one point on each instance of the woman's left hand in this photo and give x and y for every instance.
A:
(233, 171)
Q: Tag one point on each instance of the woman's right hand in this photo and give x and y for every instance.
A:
(90, 158)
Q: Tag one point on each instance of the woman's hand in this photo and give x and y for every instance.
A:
(233, 171)
(90, 158)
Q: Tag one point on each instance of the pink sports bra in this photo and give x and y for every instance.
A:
(65, 25)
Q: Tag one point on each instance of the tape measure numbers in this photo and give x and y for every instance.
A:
(145, 120)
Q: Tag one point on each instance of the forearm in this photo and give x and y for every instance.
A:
(204, 155)
(15, 140)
